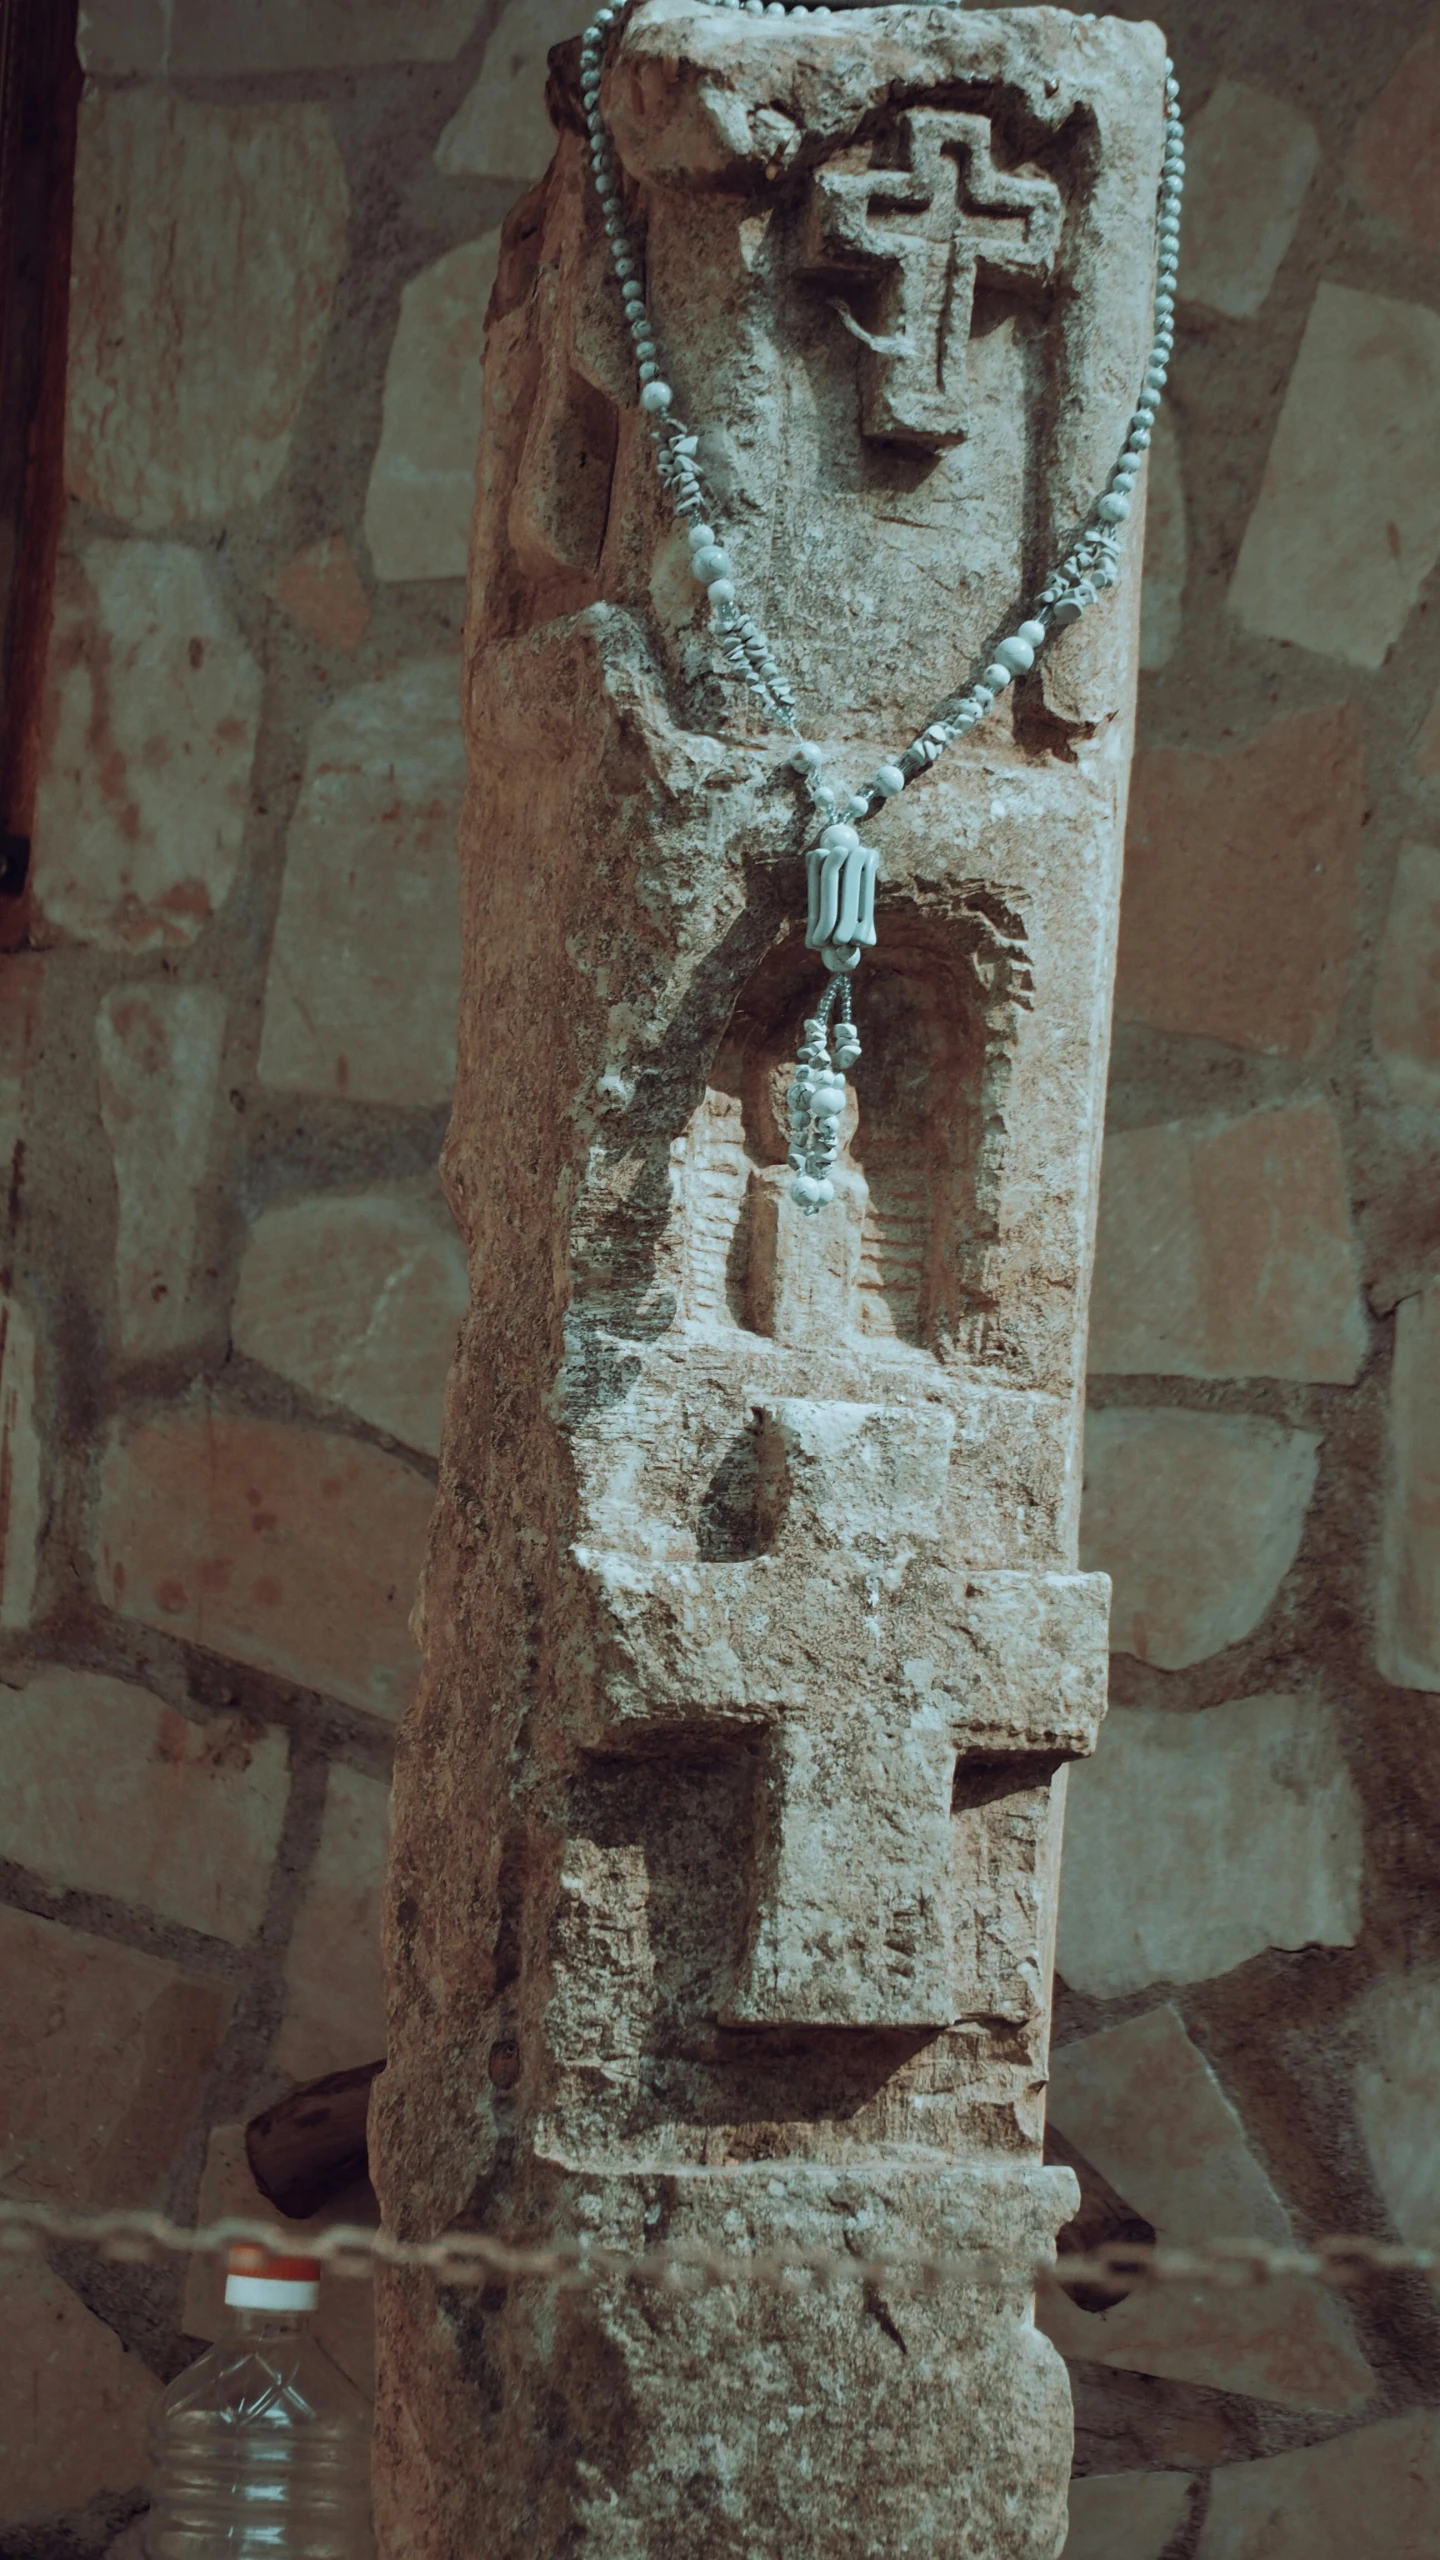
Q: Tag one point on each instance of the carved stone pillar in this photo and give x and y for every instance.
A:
(727, 1816)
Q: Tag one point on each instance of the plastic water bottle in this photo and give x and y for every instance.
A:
(261, 2451)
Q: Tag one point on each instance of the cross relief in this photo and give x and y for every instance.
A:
(926, 233)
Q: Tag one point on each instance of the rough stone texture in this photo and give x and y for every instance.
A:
(1408, 1631)
(1372, 2495)
(1405, 1015)
(321, 590)
(1395, 163)
(729, 1911)
(1197, 1519)
(107, 2053)
(1167, 548)
(181, 1818)
(74, 2402)
(208, 245)
(345, 2320)
(1397, 2097)
(160, 1052)
(358, 1299)
(1238, 919)
(21, 1480)
(1140, 2103)
(365, 966)
(294, 1549)
(501, 129)
(1127, 2515)
(149, 738)
(1225, 1250)
(1193, 1841)
(334, 2004)
(1250, 158)
(1347, 526)
(422, 481)
(188, 36)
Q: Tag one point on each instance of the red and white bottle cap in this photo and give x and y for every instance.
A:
(256, 2281)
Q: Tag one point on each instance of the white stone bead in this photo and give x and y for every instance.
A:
(1016, 654)
(708, 562)
(997, 677)
(807, 758)
(1034, 632)
(721, 590)
(1113, 507)
(806, 1191)
(700, 535)
(824, 1193)
(888, 780)
(828, 1104)
(839, 839)
(656, 397)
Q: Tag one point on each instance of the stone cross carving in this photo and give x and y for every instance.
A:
(927, 232)
(727, 1813)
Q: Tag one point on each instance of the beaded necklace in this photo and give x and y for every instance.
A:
(840, 867)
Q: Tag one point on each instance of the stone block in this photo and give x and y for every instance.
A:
(1142, 2105)
(321, 590)
(208, 244)
(1405, 1014)
(1194, 1841)
(501, 129)
(1125, 2515)
(1197, 1518)
(1346, 529)
(364, 974)
(1225, 1250)
(345, 2320)
(1249, 159)
(334, 1998)
(1408, 1617)
(185, 37)
(108, 1790)
(107, 2057)
(296, 1550)
(1371, 2495)
(422, 481)
(1219, 849)
(1395, 160)
(137, 846)
(74, 2402)
(1397, 2098)
(22, 1516)
(160, 1047)
(1167, 548)
(357, 1298)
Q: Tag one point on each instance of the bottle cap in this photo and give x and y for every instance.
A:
(257, 2281)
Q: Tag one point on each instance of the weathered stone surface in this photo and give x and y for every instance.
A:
(334, 2003)
(1347, 526)
(1425, 753)
(74, 2402)
(22, 978)
(345, 2320)
(108, 1790)
(1218, 849)
(501, 130)
(208, 245)
(1397, 2098)
(160, 1050)
(357, 1298)
(1395, 162)
(1408, 1628)
(187, 36)
(1250, 158)
(321, 590)
(365, 969)
(1194, 1841)
(154, 702)
(1405, 1017)
(22, 1512)
(1125, 2515)
(1142, 2105)
(1167, 548)
(107, 2053)
(1197, 1517)
(297, 1550)
(422, 481)
(1371, 2495)
(1225, 1250)
(723, 1881)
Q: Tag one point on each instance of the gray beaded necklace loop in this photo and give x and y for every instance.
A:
(841, 868)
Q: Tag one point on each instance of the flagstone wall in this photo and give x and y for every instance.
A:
(231, 1286)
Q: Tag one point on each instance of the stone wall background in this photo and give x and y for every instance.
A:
(231, 1285)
